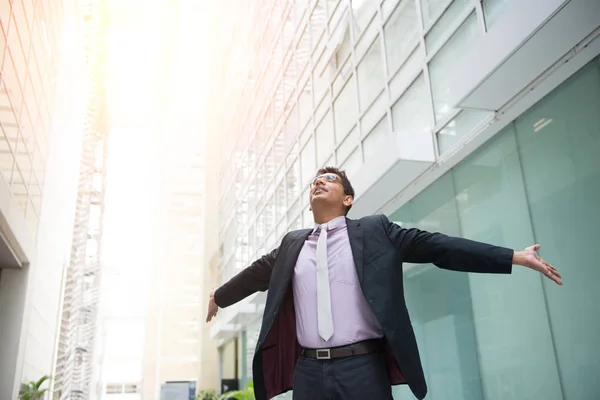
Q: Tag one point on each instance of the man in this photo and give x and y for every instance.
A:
(335, 324)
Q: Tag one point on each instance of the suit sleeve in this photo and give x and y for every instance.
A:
(448, 252)
(252, 279)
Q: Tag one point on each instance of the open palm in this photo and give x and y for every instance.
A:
(535, 262)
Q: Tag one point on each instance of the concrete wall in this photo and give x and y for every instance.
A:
(30, 297)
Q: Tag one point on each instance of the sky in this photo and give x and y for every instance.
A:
(155, 77)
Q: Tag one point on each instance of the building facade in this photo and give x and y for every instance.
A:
(41, 116)
(473, 118)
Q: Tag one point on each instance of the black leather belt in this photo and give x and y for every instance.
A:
(355, 349)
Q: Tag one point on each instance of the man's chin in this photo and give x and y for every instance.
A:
(319, 201)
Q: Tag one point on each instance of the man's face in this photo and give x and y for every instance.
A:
(327, 190)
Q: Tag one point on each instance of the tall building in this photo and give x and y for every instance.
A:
(474, 118)
(41, 119)
(81, 293)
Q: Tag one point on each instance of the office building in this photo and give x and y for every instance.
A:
(41, 116)
(473, 118)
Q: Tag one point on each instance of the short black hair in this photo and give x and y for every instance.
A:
(348, 189)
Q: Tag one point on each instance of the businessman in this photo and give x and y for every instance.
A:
(335, 324)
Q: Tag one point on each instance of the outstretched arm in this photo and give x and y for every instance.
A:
(461, 254)
(252, 279)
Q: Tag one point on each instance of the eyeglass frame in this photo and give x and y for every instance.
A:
(316, 178)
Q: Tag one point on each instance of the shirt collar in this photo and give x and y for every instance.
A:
(333, 224)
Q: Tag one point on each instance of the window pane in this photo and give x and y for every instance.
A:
(345, 109)
(412, 115)
(492, 9)
(378, 137)
(305, 104)
(325, 138)
(353, 163)
(440, 303)
(401, 34)
(430, 9)
(292, 180)
(463, 124)
(307, 161)
(441, 67)
(515, 363)
(371, 75)
(349, 144)
(364, 11)
(559, 140)
(7, 159)
(446, 23)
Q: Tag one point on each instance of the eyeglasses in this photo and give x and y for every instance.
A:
(325, 177)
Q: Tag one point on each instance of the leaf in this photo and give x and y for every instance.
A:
(41, 381)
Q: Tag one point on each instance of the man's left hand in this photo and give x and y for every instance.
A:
(530, 258)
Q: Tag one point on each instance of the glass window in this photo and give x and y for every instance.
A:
(378, 137)
(412, 114)
(345, 110)
(463, 124)
(363, 12)
(353, 162)
(447, 23)
(289, 81)
(305, 104)
(441, 67)
(412, 67)
(439, 303)
(290, 130)
(401, 34)
(11, 84)
(303, 51)
(492, 9)
(325, 138)
(7, 159)
(430, 9)
(515, 363)
(513, 337)
(559, 141)
(321, 77)
(348, 145)
(308, 162)
(371, 75)
(374, 113)
(292, 180)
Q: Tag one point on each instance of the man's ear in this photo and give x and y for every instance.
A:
(348, 200)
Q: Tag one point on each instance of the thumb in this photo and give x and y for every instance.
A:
(536, 247)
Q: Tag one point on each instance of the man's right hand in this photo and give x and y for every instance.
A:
(212, 306)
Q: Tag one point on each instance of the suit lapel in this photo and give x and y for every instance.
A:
(355, 234)
(292, 253)
(282, 276)
(289, 251)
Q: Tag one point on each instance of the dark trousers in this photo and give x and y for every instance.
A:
(362, 377)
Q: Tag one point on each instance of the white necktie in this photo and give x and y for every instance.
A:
(324, 317)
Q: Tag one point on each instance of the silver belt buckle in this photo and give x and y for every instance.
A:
(323, 354)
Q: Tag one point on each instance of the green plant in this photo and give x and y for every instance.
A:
(245, 394)
(32, 390)
(207, 395)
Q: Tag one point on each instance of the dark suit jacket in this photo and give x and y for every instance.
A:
(379, 248)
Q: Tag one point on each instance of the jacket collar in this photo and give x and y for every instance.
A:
(355, 234)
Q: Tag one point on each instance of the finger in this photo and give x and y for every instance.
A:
(536, 247)
(555, 278)
(551, 268)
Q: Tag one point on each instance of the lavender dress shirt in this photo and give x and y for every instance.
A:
(353, 319)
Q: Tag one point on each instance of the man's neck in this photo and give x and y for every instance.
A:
(323, 218)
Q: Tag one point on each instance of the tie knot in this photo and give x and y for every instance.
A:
(323, 227)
